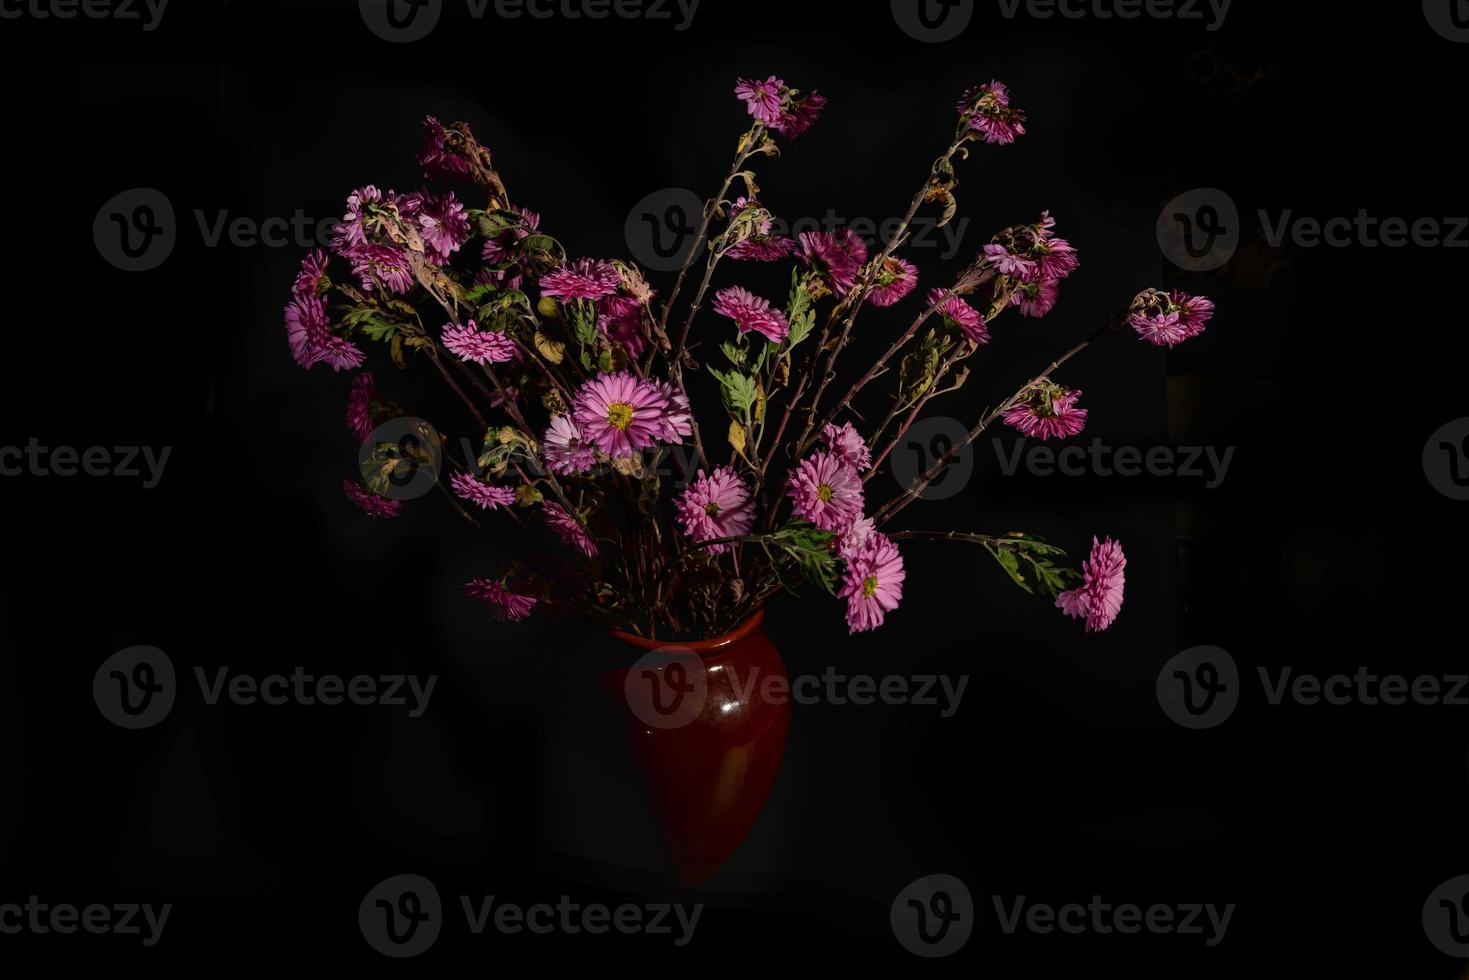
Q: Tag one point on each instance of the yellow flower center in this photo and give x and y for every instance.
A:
(619, 414)
(712, 508)
(824, 494)
(869, 586)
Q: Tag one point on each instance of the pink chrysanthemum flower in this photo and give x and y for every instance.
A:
(380, 264)
(836, 257)
(959, 313)
(313, 271)
(760, 246)
(678, 419)
(502, 246)
(569, 529)
(352, 229)
(847, 444)
(360, 400)
(1048, 412)
(989, 111)
(436, 158)
(443, 223)
(1099, 597)
(484, 495)
(851, 541)
(763, 99)
(898, 278)
(620, 414)
(308, 331)
(826, 491)
(504, 605)
(750, 312)
(564, 448)
(372, 505)
(582, 279)
(799, 115)
(620, 320)
(478, 346)
(874, 583)
(1036, 299)
(1168, 319)
(714, 506)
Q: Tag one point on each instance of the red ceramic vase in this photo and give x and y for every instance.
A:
(709, 736)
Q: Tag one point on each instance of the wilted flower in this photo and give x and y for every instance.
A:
(372, 505)
(1047, 412)
(897, 279)
(504, 605)
(799, 115)
(835, 257)
(750, 312)
(988, 109)
(1099, 597)
(486, 496)
(958, 312)
(1168, 319)
(569, 529)
(582, 279)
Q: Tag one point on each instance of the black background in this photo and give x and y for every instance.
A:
(1059, 778)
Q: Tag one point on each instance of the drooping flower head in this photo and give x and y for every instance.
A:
(826, 490)
(873, 585)
(620, 414)
(897, 278)
(678, 419)
(477, 346)
(436, 158)
(360, 401)
(443, 223)
(1099, 598)
(760, 245)
(960, 314)
(564, 448)
(384, 266)
(762, 99)
(501, 247)
(836, 257)
(750, 312)
(716, 505)
(569, 528)
(308, 332)
(1168, 319)
(313, 271)
(799, 114)
(504, 605)
(847, 444)
(1035, 260)
(484, 495)
(1048, 411)
(988, 110)
(589, 279)
(372, 505)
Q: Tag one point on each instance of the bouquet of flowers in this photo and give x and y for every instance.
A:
(576, 372)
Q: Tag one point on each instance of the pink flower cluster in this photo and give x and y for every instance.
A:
(988, 110)
(783, 109)
(1168, 319)
(1035, 260)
